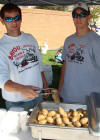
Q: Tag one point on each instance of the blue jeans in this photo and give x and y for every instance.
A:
(26, 105)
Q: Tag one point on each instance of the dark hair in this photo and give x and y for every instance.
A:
(87, 12)
(9, 7)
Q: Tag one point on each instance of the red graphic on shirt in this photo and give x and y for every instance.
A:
(72, 45)
(71, 48)
(13, 51)
(75, 54)
(25, 64)
(22, 56)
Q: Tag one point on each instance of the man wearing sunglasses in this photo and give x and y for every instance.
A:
(80, 74)
(21, 72)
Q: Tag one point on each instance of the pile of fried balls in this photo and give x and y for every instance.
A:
(72, 118)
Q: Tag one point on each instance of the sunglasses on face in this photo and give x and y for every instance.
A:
(81, 15)
(10, 19)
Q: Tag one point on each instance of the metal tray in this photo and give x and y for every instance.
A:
(57, 132)
(94, 113)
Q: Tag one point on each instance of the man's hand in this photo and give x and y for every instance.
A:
(45, 85)
(26, 91)
(29, 91)
(47, 95)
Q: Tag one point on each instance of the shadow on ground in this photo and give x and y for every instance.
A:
(52, 60)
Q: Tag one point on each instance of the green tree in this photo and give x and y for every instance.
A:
(95, 12)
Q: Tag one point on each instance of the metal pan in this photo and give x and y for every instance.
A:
(57, 132)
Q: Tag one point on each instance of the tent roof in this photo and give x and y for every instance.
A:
(49, 2)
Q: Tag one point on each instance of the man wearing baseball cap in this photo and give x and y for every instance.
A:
(82, 6)
(80, 74)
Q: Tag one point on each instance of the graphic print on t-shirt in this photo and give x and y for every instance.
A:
(75, 54)
(23, 57)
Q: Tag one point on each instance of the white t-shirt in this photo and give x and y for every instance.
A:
(20, 61)
(82, 73)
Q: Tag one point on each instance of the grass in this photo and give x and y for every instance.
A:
(48, 59)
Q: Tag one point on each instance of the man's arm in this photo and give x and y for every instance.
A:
(25, 90)
(61, 77)
(45, 85)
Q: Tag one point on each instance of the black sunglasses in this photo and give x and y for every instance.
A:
(81, 15)
(10, 19)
